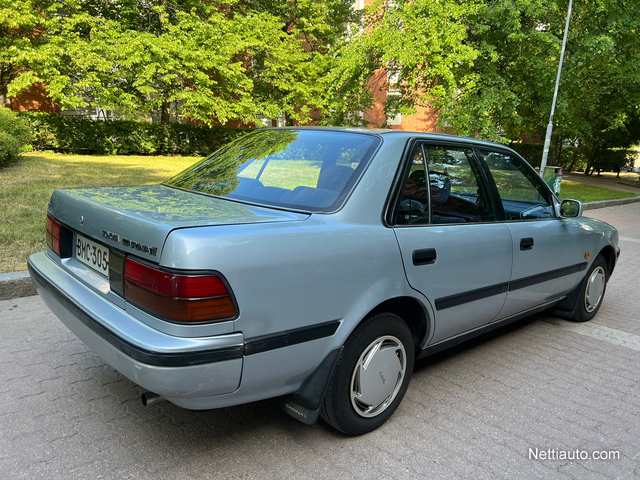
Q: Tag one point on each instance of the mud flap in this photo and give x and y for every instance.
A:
(304, 405)
(567, 307)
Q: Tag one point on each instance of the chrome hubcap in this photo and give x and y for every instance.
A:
(377, 376)
(595, 287)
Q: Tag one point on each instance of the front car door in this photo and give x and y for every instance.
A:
(546, 250)
(454, 251)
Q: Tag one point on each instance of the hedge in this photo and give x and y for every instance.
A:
(610, 160)
(125, 137)
(532, 152)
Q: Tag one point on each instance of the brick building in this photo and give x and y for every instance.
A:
(35, 98)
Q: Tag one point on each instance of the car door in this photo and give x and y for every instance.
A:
(546, 250)
(454, 251)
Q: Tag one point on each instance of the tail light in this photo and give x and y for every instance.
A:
(53, 234)
(177, 297)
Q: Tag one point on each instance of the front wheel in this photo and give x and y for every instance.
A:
(371, 375)
(593, 291)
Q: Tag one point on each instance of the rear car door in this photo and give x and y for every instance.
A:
(546, 250)
(454, 251)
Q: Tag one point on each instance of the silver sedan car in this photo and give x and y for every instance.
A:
(315, 265)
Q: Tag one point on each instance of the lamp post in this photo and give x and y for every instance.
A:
(547, 138)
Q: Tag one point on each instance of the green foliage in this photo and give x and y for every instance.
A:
(531, 152)
(122, 137)
(568, 157)
(221, 61)
(14, 135)
(421, 42)
(9, 149)
(489, 67)
(20, 35)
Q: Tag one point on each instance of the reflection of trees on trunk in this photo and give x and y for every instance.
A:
(218, 174)
(162, 204)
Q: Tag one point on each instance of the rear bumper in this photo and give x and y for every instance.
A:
(177, 368)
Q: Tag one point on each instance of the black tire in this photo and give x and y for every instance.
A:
(338, 408)
(588, 306)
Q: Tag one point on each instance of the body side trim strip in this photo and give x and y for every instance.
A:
(473, 295)
(290, 337)
(546, 276)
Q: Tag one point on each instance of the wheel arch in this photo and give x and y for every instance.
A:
(411, 311)
(609, 255)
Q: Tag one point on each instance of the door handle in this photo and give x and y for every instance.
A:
(425, 256)
(526, 243)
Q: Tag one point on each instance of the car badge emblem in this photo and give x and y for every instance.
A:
(81, 220)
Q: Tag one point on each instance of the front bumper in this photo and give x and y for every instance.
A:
(176, 368)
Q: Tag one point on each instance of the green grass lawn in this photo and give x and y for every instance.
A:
(588, 193)
(25, 189)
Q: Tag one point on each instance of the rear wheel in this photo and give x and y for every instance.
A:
(371, 375)
(593, 291)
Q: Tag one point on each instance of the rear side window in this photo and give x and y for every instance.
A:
(300, 169)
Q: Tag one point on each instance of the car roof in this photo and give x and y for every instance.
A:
(384, 132)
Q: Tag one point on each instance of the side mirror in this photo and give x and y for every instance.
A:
(571, 208)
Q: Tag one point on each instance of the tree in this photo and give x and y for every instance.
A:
(223, 60)
(489, 67)
(419, 42)
(299, 88)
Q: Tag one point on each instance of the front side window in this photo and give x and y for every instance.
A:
(456, 191)
(300, 169)
(523, 195)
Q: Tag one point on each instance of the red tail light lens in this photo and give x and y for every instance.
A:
(53, 235)
(182, 298)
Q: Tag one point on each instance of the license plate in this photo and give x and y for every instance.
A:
(93, 255)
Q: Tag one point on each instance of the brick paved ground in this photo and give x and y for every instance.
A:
(473, 412)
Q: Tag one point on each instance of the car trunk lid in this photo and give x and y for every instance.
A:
(138, 219)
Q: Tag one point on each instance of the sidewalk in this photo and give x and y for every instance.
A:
(627, 182)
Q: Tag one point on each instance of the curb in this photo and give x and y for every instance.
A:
(19, 284)
(610, 203)
(15, 285)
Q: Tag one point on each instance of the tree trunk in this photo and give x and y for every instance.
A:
(5, 78)
(5, 100)
(595, 153)
(165, 113)
(574, 157)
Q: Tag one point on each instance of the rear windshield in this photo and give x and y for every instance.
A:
(310, 170)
